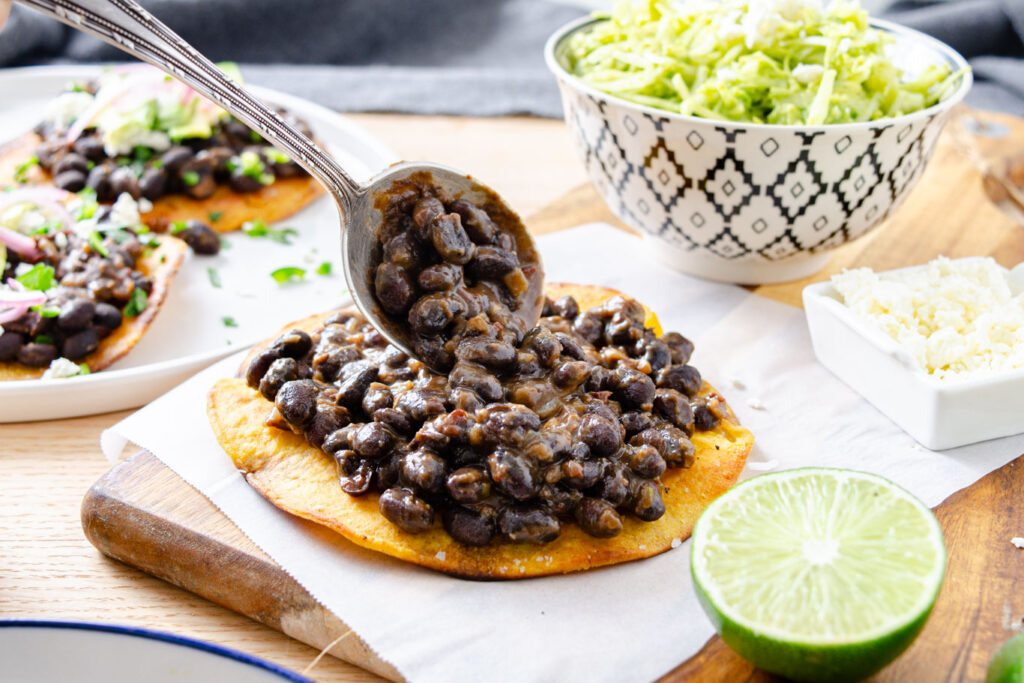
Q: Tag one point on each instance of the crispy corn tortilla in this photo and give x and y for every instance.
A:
(282, 198)
(303, 480)
(161, 264)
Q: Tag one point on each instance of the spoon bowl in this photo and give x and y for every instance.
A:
(126, 25)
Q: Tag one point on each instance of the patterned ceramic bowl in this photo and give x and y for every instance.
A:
(751, 203)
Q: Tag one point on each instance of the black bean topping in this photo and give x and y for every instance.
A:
(450, 240)
(633, 388)
(175, 157)
(646, 501)
(394, 288)
(598, 518)
(200, 237)
(703, 418)
(296, 401)
(76, 314)
(528, 524)
(423, 471)
(684, 378)
(328, 419)
(152, 183)
(680, 346)
(80, 344)
(487, 352)
(468, 485)
(71, 162)
(37, 355)
(491, 263)
(475, 221)
(674, 407)
(356, 379)
(354, 474)
(293, 344)
(107, 315)
(646, 461)
(371, 440)
(614, 485)
(10, 345)
(470, 526)
(123, 179)
(406, 510)
(565, 307)
(280, 371)
(70, 181)
(440, 277)
(99, 180)
(513, 474)
(560, 500)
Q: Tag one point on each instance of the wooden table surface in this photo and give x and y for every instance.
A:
(49, 570)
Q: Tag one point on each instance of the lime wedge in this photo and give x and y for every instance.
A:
(818, 574)
(1008, 664)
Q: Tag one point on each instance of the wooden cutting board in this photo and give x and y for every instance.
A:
(143, 514)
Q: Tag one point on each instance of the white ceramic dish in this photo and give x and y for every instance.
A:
(190, 333)
(58, 652)
(743, 202)
(938, 414)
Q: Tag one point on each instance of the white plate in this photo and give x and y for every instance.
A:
(57, 652)
(190, 333)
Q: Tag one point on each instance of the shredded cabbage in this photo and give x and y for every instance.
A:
(760, 61)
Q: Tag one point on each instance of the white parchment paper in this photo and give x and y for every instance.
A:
(632, 622)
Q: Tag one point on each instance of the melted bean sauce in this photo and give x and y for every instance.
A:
(569, 422)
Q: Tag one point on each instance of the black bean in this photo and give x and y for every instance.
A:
(196, 177)
(432, 351)
(293, 344)
(423, 470)
(646, 501)
(71, 162)
(506, 423)
(354, 474)
(403, 250)
(589, 326)
(426, 211)
(674, 407)
(90, 147)
(475, 378)
(406, 510)
(680, 346)
(330, 361)
(152, 183)
(613, 486)
(657, 354)
(372, 440)
(513, 474)
(10, 344)
(570, 347)
(107, 316)
(75, 314)
(123, 179)
(544, 344)
(646, 461)
(623, 331)
(570, 374)
(99, 180)
(470, 526)
(440, 277)
(37, 355)
(598, 518)
(672, 443)
(243, 183)
(488, 352)
(581, 474)
(80, 344)
(600, 379)
(328, 419)
(296, 401)
(636, 421)
(703, 417)
(394, 357)
(340, 439)
(280, 371)
(451, 241)
(49, 152)
(259, 366)
(377, 397)
(468, 485)
(394, 288)
(433, 313)
(684, 378)
(602, 436)
(175, 157)
(491, 263)
(357, 378)
(421, 404)
(560, 500)
(70, 181)
(477, 224)
(565, 307)
(633, 389)
(528, 524)
(630, 309)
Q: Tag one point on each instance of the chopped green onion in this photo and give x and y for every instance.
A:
(46, 311)
(83, 369)
(275, 155)
(229, 321)
(190, 178)
(324, 268)
(43, 339)
(178, 226)
(137, 302)
(214, 216)
(288, 273)
(214, 277)
(38, 278)
(96, 242)
(87, 206)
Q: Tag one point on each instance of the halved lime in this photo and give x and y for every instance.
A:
(818, 574)
(1008, 664)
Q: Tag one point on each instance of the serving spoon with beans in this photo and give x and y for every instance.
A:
(128, 26)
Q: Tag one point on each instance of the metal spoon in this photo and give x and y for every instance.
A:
(126, 25)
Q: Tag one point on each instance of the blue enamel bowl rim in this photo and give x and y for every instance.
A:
(954, 58)
(162, 636)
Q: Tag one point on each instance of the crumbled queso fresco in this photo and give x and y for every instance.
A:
(957, 318)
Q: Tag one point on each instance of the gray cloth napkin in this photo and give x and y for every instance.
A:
(468, 57)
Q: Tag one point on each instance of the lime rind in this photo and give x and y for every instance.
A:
(868, 532)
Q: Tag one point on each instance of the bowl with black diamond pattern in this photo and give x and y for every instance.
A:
(752, 203)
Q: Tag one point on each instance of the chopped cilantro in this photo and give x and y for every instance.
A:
(178, 226)
(214, 277)
(324, 268)
(96, 242)
(224, 242)
(38, 278)
(214, 216)
(229, 321)
(157, 163)
(254, 136)
(87, 207)
(143, 153)
(22, 170)
(46, 311)
(288, 273)
(90, 164)
(137, 302)
(190, 178)
(258, 228)
(43, 339)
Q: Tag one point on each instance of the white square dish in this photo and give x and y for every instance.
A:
(939, 414)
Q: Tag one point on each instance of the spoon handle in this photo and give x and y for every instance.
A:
(126, 25)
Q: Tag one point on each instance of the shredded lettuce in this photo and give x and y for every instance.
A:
(788, 62)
